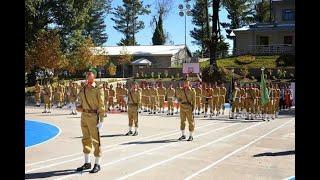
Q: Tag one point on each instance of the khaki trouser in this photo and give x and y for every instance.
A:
(236, 105)
(249, 105)
(110, 102)
(37, 97)
(161, 101)
(186, 114)
(198, 103)
(133, 115)
(153, 103)
(90, 134)
(170, 104)
(207, 103)
(215, 103)
(221, 102)
(270, 105)
(47, 101)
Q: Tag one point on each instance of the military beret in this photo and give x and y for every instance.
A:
(94, 71)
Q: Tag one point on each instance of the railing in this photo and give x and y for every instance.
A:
(266, 49)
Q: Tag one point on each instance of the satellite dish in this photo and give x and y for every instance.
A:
(181, 14)
(180, 6)
(189, 13)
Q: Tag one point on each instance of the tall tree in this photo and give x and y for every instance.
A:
(95, 28)
(45, 52)
(262, 11)
(37, 17)
(240, 12)
(163, 8)
(200, 18)
(159, 37)
(126, 20)
(71, 18)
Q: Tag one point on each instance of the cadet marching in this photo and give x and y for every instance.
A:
(190, 101)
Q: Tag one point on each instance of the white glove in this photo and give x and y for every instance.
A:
(99, 125)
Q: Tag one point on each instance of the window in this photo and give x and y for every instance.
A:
(288, 15)
(264, 40)
(287, 40)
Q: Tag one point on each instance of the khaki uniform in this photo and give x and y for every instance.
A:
(271, 104)
(148, 98)
(144, 97)
(198, 91)
(250, 99)
(112, 94)
(258, 101)
(277, 99)
(118, 93)
(89, 120)
(106, 96)
(215, 99)
(187, 100)
(222, 97)
(178, 90)
(47, 96)
(37, 96)
(161, 96)
(208, 99)
(170, 96)
(243, 98)
(154, 98)
(59, 94)
(67, 94)
(134, 99)
(236, 100)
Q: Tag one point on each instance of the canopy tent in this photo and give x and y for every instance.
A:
(141, 62)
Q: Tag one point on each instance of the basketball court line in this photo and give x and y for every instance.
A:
(235, 151)
(70, 160)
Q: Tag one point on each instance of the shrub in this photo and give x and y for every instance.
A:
(286, 60)
(247, 59)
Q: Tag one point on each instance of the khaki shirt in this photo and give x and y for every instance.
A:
(95, 97)
(48, 91)
(37, 89)
(134, 97)
(198, 91)
(162, 92)
(186, 97)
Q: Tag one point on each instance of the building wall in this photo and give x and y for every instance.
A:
(279, 6)
(244, 39)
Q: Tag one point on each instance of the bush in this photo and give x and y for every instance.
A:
(247, 59)
(286, 60)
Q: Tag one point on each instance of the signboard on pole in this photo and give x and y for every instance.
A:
(191, 68)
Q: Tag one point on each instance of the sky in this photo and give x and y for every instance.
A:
(173, 24)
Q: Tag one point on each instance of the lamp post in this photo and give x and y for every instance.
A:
(185, 12)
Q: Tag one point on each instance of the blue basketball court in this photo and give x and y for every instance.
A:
(37, 132)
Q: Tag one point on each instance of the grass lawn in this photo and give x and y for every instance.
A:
(260, 61)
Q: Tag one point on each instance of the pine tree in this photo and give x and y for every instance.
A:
(126, 20)
(240, 12)
(201, 33)
(95, 28)
(262, 11)
(159, 37)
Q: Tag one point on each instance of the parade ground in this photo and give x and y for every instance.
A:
(222, 149)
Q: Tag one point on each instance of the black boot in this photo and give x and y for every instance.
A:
(129, 133)
(135, 133)
(182, 138)
(95, 168)
(84, 167)
(190, 138)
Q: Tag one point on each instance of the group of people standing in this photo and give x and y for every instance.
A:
(246, 101)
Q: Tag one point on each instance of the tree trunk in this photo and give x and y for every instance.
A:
(213, 44)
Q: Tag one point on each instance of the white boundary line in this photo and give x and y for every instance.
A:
(46, 141)
(150, 150)
(235, 151)
(107, 146)
(187, 152)
(121, 147)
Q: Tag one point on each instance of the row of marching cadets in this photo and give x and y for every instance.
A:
(246, 102)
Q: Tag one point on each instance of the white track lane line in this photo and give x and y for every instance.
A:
(121, 147)
(105, 147)
(150, 150)
(235, 151)
(187, 152)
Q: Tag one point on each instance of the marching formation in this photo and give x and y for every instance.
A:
(198, 99)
